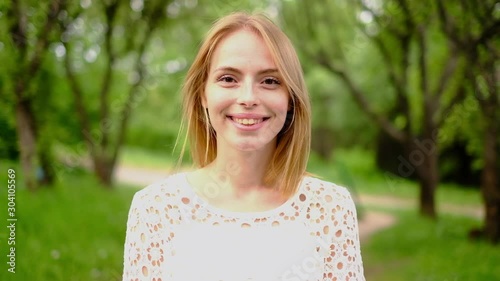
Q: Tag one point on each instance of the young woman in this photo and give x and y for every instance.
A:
(250, 211)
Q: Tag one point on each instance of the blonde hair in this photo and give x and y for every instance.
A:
(289, 161)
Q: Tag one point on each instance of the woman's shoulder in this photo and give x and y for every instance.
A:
(169, 186)
(325, 189)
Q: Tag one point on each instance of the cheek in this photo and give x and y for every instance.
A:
(281, 105)
(210, 98)
(217, 105)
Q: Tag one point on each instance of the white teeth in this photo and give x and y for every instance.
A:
(246, 121)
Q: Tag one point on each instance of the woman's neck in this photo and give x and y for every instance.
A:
(235, 181)
(240, 172)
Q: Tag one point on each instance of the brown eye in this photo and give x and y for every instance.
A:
(226, 79)
(271, 81)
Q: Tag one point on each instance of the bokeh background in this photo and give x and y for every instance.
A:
(406, 115)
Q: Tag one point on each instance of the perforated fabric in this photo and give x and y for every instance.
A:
(173, 234)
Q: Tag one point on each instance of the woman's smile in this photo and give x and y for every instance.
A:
(248, 122)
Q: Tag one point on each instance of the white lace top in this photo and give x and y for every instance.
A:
(173, 234)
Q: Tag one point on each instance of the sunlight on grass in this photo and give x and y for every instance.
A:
(420, 249)
(73, 231)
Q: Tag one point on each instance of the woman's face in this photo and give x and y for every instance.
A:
(244, 93)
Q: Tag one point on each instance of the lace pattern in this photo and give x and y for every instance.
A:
(172, 234)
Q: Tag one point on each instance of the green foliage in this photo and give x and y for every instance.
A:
(334, 36)
(418, 249)
(464, 123)
(333, 108)
(8, 137)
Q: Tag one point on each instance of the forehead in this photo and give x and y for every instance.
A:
(242, 48)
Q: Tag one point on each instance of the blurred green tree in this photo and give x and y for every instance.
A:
(422, 71)
(473, 28)
(115, 37)
(28, 27)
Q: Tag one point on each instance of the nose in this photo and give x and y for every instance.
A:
(247, 95)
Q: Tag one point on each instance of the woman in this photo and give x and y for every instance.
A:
(250, 211)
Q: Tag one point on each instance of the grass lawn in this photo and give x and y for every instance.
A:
(417, 249)
(74, 231)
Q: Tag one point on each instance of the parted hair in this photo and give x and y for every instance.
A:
(289, 161)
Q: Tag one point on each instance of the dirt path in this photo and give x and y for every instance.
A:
(372, 221)
(139, 176)
(401, 203)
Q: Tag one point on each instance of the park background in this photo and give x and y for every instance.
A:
(406, 115)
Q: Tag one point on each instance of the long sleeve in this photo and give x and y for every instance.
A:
(143, 253)
(345, 253)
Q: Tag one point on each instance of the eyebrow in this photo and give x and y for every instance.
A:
(235, 70)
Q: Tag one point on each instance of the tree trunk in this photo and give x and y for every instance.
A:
(46, 165)
(25, 120)
(490, 185)
(428, 186)
(423, 156)
(489, 101)
(103, 169)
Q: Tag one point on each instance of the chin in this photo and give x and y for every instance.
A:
(248, 146)
(252, 145)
